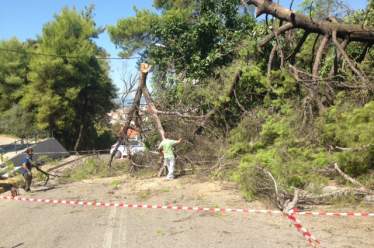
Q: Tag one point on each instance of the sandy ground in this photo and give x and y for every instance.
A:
(5, 139)
(43, 225)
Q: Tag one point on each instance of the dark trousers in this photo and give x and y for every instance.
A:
(28, 180)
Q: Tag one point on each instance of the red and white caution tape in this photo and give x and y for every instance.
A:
(149, 206)
(337, 214)
(177, 207)
(313, 241)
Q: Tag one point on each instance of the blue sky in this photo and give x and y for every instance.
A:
(25, 19)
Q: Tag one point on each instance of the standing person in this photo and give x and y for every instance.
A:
(26, 167)
(166, 149)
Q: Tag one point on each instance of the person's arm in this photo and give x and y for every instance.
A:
(24, 166)
(174, 142)
(159, 147)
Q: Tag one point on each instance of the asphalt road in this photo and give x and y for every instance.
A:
(26, 224)
(37, 225)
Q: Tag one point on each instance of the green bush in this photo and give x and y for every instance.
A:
(351, 128)
(278, 147)
(295, 160)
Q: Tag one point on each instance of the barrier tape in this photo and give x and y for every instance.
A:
(177, 207)
(313, 241)
(149, 206)
(336, 214)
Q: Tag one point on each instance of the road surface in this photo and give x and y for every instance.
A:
(26, 224)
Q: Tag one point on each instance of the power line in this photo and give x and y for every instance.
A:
(63, 56)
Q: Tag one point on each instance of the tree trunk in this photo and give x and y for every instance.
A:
(153, 111)
(325, 27)
(130, 115)
(79, 138)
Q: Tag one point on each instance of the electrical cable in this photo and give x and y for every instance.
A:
(63, 56)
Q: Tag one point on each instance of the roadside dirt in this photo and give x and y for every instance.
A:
(6, 139)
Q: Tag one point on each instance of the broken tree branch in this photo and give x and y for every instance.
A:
(278, 201)
(238, 103)
(280, 51)
(334, 67)
(352, 148)
(319, 55)
(346, 57)
(364, 52)
(348, 178)
(355, 31)
(289, 205)
(271, 58)
(292, 56)
(152, 109)
(182, 115)
(313, 50)
(276, 32)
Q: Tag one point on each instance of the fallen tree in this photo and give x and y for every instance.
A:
(331, 34)
(133, 115)
(329, 30)
(293, 20)
(266, 185)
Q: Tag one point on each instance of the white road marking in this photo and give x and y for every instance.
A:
(108, 236)
(122, 232)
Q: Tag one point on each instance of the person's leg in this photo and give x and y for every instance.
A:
(171, 164)
(28, 180)
(167, 165)
(24, 186)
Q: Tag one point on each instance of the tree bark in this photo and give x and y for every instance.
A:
(78, 141)
(292, 57)
(319, 55)
(271, 58)
(334, 68)
(280, 30)
(152, 109)
(347, 59)
(364, 53)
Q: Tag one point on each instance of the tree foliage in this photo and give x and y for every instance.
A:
(14, 68)
(67, 93)
(197, 38)
(271, 117)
